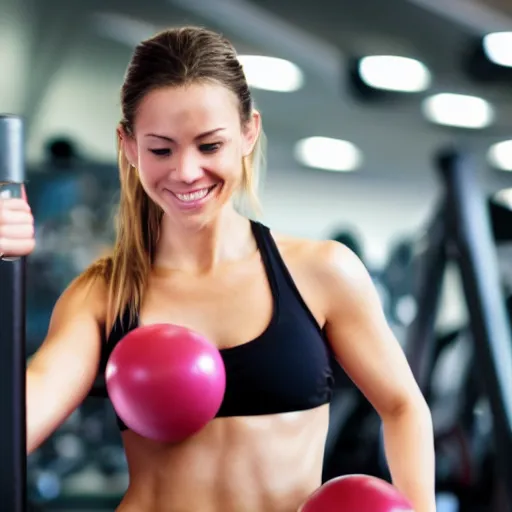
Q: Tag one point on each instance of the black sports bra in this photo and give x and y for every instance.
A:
(289, 367)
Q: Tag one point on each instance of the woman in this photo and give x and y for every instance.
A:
(189, 145)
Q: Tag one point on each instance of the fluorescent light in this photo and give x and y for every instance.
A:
(498, 48)
(500, 155)
(458, 110)
(504, 197)
(328, 154)
(271, 73)
(394, 73)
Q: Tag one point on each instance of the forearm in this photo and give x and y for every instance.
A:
(36, 411)
(409, 447)
(46, 409)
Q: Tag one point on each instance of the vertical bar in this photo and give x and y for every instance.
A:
(469, 218)
(13, 458)
(420, 343)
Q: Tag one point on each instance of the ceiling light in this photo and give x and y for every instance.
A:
(504, 197)
(328, 154)
(500, 155)
(498, 48)
(458, 110)
(394, 73)
(271, 73)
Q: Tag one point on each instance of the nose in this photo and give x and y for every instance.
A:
(188, 168)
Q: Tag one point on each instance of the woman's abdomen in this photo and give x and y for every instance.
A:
(250, 464)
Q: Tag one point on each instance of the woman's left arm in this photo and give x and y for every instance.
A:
(368, 351)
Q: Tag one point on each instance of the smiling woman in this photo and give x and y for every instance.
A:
(280, 310)
(179, 163)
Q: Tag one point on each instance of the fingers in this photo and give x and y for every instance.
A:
(15, 217)
(14, 248)
(16, 228)
(15, 211)
(19, 231)
(14, 204)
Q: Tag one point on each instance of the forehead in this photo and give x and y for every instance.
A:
(187, 109)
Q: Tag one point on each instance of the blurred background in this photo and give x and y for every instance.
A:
(357, 98)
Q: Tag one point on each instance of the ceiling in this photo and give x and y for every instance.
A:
(500, 6)
(65, 62)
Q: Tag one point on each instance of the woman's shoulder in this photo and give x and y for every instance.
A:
(90, 289)
(309, 249)
(325, 259)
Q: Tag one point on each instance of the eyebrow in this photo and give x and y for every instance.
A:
(198, 137)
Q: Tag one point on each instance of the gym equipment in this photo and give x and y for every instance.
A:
(87, 443)
(357, 493)
(397, 278)
(462, 234)
(73, 206)
(13, 459)
(165, 381)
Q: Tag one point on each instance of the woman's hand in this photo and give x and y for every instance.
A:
(16, 228)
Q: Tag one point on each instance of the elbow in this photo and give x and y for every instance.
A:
(411, 418)
(410, 405)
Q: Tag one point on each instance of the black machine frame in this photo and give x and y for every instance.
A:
(13, 456)
(461, 233)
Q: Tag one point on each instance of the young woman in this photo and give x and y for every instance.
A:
(277, 307)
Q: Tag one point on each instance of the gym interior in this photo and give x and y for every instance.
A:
(388, 128)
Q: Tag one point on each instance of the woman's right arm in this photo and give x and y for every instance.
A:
(63, 369)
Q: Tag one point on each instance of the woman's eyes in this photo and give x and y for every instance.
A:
(204, 148)
(161, 152)
(210, 148)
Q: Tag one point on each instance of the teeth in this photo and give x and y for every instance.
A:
(194, 196)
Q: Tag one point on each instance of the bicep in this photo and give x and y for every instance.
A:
(361, 338)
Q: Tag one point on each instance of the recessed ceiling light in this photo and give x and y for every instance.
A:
(394, 73)
(498, 48)
(271, 73)
(504, 197)
(328, 154)
(458, 110)
(500, 155)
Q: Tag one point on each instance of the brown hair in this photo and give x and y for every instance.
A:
(174, 57)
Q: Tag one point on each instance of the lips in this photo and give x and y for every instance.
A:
(195, 195)
(193, 199)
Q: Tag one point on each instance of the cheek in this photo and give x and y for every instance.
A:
(231, 164)
(151, 171)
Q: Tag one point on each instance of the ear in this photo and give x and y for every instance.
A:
(251, 131)
(128, 145)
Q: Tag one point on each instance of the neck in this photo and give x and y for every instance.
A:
(199, 248)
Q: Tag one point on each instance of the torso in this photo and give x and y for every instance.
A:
(252, 464)
(262, 463)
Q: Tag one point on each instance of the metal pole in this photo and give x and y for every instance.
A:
(420, 344)
(13, 459)
(469, 220)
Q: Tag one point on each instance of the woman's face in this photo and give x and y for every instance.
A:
(188, 147)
